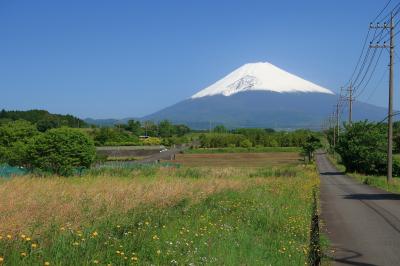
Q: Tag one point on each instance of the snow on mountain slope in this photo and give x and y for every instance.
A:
(260, 77)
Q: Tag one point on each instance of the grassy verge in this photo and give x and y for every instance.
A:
(374, 181)
(124, 158)
(167, 216)
(239, 149)
(241, 159)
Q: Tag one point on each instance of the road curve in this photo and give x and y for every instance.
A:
(362, 223)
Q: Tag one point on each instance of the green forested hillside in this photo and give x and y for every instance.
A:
(43, 119)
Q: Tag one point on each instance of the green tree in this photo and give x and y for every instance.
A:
(61, 151)
(181, 130)
(135, 127)
(14, 137)
(220, 129)
(362, 148)
(46, 124)
(165, 129)
(245, 143)
(311, 144)
(150, 129)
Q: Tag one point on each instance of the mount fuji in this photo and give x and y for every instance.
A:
(261, 95)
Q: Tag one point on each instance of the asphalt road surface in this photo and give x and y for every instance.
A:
(165, 155)
(362, 223)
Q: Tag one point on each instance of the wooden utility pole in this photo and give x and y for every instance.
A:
(391, 88)
(350, 98)
(334, 132)
(337, 121)
(390, 109)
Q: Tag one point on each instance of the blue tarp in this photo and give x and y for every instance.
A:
(8, 171)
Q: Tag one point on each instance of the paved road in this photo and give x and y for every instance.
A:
(165, 155)
(363, 223)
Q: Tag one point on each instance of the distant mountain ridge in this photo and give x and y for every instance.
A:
(261, 95)
(262, 109)
(108, 121)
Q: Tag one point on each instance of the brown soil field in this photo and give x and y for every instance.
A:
(239, 159)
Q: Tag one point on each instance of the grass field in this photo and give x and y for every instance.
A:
(154, 215)
(241, 159)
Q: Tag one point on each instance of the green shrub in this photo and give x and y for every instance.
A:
(151, 141)
(14, 138)
(362, 148)
(61, 151)
(245, 143)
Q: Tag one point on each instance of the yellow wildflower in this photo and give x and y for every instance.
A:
(46, 263)
(95, 233)
(23, 254)
(28, 239)
(96, 262)
(1, 259)
(34, 245)
(158, 252)
(9, 236)
(134, 258)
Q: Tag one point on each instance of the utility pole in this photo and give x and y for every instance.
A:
(390, 105)
(334, 133)
(337, 122)
(350, 98)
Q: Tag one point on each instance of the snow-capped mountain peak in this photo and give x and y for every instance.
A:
(261, 76)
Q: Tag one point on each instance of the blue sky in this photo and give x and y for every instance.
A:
(118, 59)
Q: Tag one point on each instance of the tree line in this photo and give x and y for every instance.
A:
(152, 134)
(251, 137)
(362, 147)
(42, 119)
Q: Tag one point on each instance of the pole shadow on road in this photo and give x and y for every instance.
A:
(347, 257)
(382, 196)
(332, 173)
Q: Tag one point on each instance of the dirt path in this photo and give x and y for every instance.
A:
(362, 223)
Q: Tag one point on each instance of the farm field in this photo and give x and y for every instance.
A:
(161, 215)
(242, 159)
(245, 150)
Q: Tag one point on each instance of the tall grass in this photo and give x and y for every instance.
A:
(173, 217)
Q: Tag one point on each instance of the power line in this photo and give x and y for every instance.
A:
(370, 76)
(383, 9)
(367, 37)
(377, 85)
